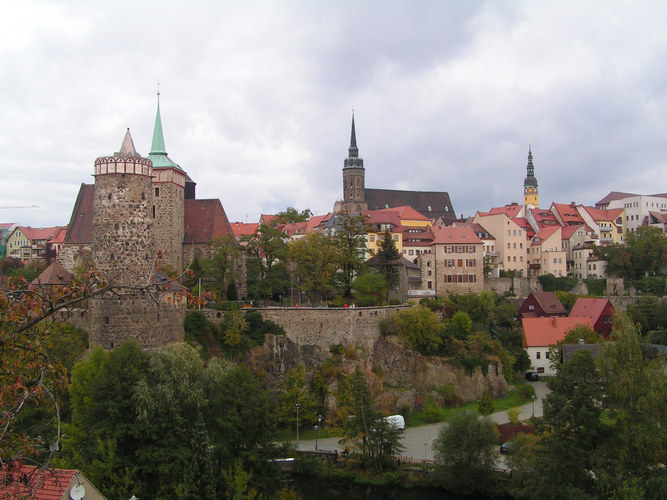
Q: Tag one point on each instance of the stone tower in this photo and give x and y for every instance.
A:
(530, 196)
(123, 250)
(123, 247)
(168, 200)
(354, 197)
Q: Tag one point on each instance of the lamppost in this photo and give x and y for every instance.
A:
(425, 445)
(317, 428)
(533, 398)
(297, 406)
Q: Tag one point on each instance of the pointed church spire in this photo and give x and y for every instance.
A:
(127, 147)
(354, 150)
(158, 154)
(157, 146)
(530, 192)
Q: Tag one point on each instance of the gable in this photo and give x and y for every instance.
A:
(430, 204)
(205, 220)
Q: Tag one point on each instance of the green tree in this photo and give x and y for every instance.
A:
(459, 326)
(350, 240)
(314, 257)
(267, 253)
(418, 326)
(636, 394)
(486, 406)
(647, 247)
(389, 261)
(221, 270)
(571, 431)
(295, 391)
(465, 453)
(364, 428)
(618, 257)
(369, 289)
(291, 215)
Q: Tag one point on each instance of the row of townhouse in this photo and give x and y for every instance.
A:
(34, 244)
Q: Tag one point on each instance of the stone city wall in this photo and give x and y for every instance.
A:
(325, 327)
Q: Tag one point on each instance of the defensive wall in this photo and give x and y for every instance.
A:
(324, 327)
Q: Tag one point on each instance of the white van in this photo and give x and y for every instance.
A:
(396, 421)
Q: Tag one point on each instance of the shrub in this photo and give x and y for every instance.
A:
(431, 411)
(448, 393)
(526, 391)
(513, 415)
(651, 285)
(486, 406)
(596, 286)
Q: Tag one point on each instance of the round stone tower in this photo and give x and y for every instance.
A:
(123, 248)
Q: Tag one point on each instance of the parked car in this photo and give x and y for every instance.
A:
(505, 447)
(532, 376)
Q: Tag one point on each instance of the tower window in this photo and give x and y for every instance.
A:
(157, 192)
(153, 211)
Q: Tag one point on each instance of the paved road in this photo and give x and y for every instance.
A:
(417, 440)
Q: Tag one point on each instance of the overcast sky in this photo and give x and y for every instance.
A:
(257, 97)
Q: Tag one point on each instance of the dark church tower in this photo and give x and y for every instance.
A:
(530, 196)
(354, 198)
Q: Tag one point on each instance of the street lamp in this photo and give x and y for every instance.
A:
(425, 445)
(297, 406)
(533, 398)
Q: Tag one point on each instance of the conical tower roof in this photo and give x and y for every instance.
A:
(127, 147)
(353, 160)
(158, 154)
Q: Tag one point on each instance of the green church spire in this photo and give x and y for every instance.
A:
(158, 154)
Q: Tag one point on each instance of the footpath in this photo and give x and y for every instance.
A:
(418, 440)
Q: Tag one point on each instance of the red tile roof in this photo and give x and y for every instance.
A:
(26, 481)
(510, 210)
(544, 233)
(39, 234)
(541, 332)
(586, 307)
(456, 235)
(243, 228)
(385, 216)
(204, 221)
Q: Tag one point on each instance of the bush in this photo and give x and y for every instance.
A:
(550, 283)
(651, 285)
(513, 415)
(526, 391)
(486, 406)
(431, 411)
(448, 393)
(596, 287)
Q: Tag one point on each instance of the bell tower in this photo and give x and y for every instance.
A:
(530, 195)
(354, 174)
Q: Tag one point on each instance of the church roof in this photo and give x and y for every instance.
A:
(431, 204)
(80, 229)
(205, 220)
(158, 154)
(127, 147)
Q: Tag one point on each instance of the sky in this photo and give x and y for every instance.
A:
(256, 98)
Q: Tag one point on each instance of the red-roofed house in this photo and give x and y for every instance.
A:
(37, 483)
(29, 243)
(573, 237)
(240, 229)
(541, 333)
(600, 311)
(541, 304)
(566, 214)
(455, 263)
(608, 224)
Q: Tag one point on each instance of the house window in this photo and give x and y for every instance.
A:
(428, 264)
(471, 249)
(157, 192)
(508, 246)
(448, 249)
(531, 307)
(429, 272)
(540, 369)
(410, 252)
(450, 262)
(429, 284)
(395, 237)
(459, 249)
(371, 238)
(459, 263)
(472, 278)
(538, 355)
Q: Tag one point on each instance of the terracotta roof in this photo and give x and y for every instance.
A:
(606, 215)
(456, 235)
(408, 213)
(586, 307)
(243, 228)
(544, 233)
(376, 217)
(80, 230)
(659, 217)
(292, 228)
(39, 234)
(316, 221)
(541, 332)
(55, 274)
(568, 231)
(267, 219)
(26, 481)
(204, 221)
(510, 210)
(439, 202)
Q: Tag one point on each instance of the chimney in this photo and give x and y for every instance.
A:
(553, 321)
